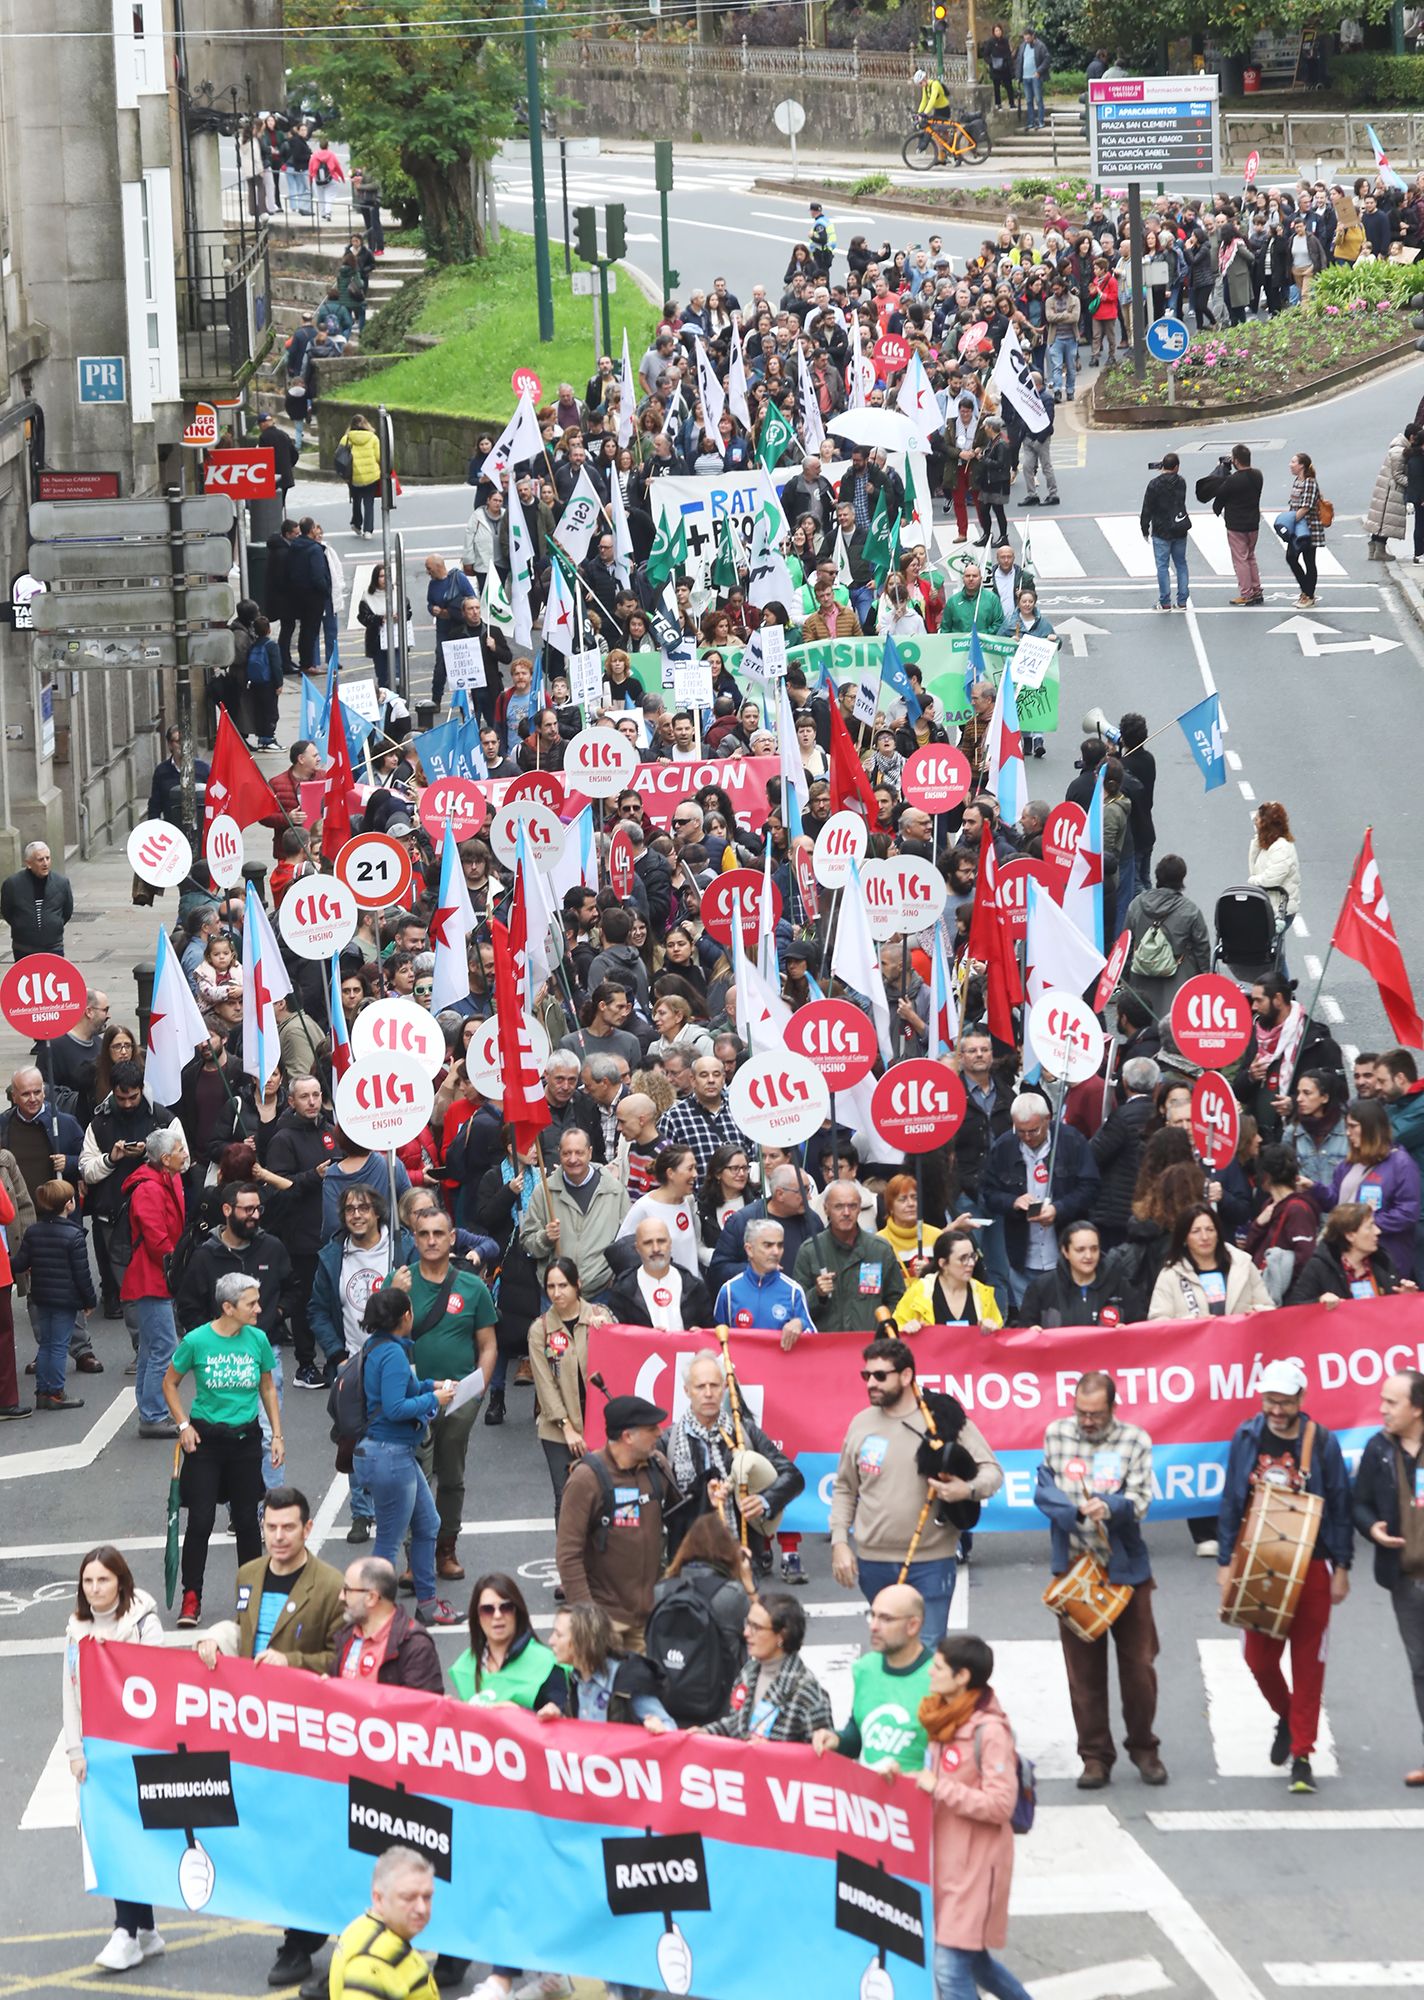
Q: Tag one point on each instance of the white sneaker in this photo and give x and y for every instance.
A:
(545, 1986)
(1207, 1549)
(151, 1944)
(492, 1987)
(120, 1954)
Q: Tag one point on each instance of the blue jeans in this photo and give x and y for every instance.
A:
(960, 1975)
(272, 1475)
(157, 1338)
(933, 1580)
(1171, 555)
(53, 1325)
(363, 1507)
(1063, 364)
(1033, 102)
(1127, 886)
(862, 603)
(992, 1248)
(330, 634)
(298, 191)
(404, 1503)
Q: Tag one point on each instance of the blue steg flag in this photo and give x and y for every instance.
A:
(1202, 728)
(894, 676)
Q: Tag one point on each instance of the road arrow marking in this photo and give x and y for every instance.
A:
(1308, 630)
(1076, 632)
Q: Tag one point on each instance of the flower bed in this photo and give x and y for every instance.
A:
(1242, 367)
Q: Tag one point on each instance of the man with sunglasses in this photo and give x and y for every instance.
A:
(879, 1492)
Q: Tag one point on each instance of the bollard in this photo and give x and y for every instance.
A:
(424, 716)
(255, 872)
(143, 974)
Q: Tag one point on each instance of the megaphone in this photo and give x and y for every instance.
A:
(1095, 723)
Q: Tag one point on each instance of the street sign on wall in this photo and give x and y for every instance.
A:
(1151, 128)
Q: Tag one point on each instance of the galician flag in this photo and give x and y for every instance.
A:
(813, 431)
(518, 442)
(627, 397)
(451, 922)
(1056, 953)
(944, 1001)
(521, 569)
(340, 1039)
(264, 983)
(622, 533)
(175, 1027)
(854, 960)
(560, 611)
(1004, 764)
(1083, 897)
(710, 392)
(737, 401)
(915, 400)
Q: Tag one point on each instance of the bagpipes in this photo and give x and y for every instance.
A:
(940, 1455)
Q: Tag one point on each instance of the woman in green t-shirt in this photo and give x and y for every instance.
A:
(231, 1363)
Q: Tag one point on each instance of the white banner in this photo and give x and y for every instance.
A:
(705, 499)
(464, 663)
(1011, 379)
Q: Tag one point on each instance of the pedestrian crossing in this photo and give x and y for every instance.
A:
(1074, 548)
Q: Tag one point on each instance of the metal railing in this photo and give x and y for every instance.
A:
(694, 59)
(1339, 138)
(224, 304)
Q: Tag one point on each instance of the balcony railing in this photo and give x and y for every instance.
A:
(225, 305)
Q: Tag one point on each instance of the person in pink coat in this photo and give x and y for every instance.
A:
(971, 1771)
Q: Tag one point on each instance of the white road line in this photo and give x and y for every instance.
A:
(1203, 663)
(1233, 762)
(1298, 926)
(1349, 1051)
(1032, 1683)
(37, 1551)
(77, 1456)
(1331, 1009)
(40, 1551)
(332, 1502)
(1208, 531)
(1240, 1720)
(1124, 537)
(1303, 1819)
(1355, 1973)
(1246, 791)
(52, 1803)
(1103, 1982)
(1312, 965)
(30, 1649)
(1052, 556)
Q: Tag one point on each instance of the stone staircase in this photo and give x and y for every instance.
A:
(1061, 147)
(303, 273)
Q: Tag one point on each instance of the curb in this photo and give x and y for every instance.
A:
(1410, 591)
(1158, 416)
(939, 208)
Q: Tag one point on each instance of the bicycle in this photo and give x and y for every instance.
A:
(938, 142)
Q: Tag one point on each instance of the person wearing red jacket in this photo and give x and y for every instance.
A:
(156, 1215)
(1103, 310)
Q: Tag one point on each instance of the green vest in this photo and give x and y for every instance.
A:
(518, 1680)
(886, 1710)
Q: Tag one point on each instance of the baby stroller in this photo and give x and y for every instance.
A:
(1250, 935)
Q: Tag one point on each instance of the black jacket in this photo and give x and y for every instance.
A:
(520, 1295)
(1374, 1496)
(788, 1483)
(36, 923)
(978, 1133)
(1325, 1272)
(109, 1125)
(656, 877)
(1054, 1299)
(54, 1253)
(1117, 1148)
(1164, 506)
(308, 576)
(264, 1260)
(295, 1150)
(1238, 499)
(236, 1115)
(628, 1307)
(1074, 1190)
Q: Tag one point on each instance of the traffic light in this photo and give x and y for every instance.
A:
(674, 279)
(662, 165)
(586, 234)
(941, 15)
(615, 231)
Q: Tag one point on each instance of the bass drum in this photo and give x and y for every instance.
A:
(1270, 1560)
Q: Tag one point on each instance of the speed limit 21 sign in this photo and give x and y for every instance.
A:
(377, 870)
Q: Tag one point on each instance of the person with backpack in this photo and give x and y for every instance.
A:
(264, 681)
(1095, 1487)
(890, 1683)
(604, 1684)
(324, 170)
(1170, 940)
(612, 1521)
(695, 1629)
(973, 1775)
(396, 1408)
(231, 1361)
(53, 1252)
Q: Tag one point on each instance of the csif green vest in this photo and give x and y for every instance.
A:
(518, 1680)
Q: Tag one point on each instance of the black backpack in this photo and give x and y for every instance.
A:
(347, 1407)
(699, 1656)
(657, 1475)
(121, 1240)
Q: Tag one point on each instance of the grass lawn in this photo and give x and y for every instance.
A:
(487, 317)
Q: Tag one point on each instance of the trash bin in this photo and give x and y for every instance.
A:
(1250, 81)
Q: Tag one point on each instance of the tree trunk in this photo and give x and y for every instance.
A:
(454, 232)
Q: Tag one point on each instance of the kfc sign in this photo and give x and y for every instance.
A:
(459, 800)
(399, 1027)
(600, 762)
(936, 778)
(317, 916)
(735, 898)
(384, 1102)
(837, 1038)
(1065, 1035)
(779, 1099)
(43, 996)
(1211, 1021)
(242, 475)
(917, 1106)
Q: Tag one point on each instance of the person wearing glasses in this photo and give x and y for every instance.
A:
(775, 1697)
(379, 1641)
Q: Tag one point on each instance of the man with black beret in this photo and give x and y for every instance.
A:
(611, 1519)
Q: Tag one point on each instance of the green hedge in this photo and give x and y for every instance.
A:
(1342, 284)
(1371, 77)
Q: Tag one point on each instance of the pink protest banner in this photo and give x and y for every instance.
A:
(1188, 1383)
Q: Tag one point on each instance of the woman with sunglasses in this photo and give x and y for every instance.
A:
(504, 1661)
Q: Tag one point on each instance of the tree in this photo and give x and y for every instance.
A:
(422, 103)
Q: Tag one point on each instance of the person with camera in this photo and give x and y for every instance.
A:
(113, 1147)
(1237, 499)
(1165, 521)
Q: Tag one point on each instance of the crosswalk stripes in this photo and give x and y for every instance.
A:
(1240, 1738)
(1105, 547)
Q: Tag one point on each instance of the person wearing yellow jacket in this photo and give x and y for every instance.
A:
(376, 1953)
(363, 476)
(951, 1295)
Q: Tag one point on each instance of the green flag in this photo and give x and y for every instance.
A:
(910, 506)
(775, 435)
(668, 553)
(725, 573)
(882, 540)
(494, 605)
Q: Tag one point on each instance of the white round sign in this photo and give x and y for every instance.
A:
(159, 854)
(779, 1099)
(399, 1027)
(482, 1064)
(384, 1101)
(789, 117)
(882, 903)
(317, 916)
(223, 853)
(543, 833)
(920, 891)
(599, 762)
(1065, 1034)
(842, 840)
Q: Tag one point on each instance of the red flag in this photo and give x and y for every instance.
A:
(338, 786)
(850, 788)
(1364, 931)
(235, 785)
(526, 1108)
(991, 944)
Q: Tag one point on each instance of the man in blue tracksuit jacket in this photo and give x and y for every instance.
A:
(761, 1295)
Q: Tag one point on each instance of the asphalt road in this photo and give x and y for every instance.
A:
(1114, 1895)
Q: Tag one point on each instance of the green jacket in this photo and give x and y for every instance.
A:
(958, 614)
(522, 1679)
(867, 1275)
(885, 1712)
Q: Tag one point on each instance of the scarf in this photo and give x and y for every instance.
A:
(508, 1172)
(685, 1470)
(942, 1715)
(1279, 1045)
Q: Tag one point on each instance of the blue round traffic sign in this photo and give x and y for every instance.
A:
(1167, 339)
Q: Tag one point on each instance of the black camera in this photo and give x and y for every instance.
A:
(1154, 465)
